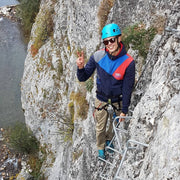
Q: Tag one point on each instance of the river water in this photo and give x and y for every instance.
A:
(8, 2)
(12, 56)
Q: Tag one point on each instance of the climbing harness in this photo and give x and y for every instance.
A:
(114, 166)
(109, 107)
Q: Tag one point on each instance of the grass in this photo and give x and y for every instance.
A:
(60, 68)
(89, 84)
(81, 104)
(44, 29)
(66, 129)
(35, 163)
(22, 140)
(77, 154)
(103, 12)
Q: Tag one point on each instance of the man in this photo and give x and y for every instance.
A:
(115, 80)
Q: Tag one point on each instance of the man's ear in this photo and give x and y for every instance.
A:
(119, 38)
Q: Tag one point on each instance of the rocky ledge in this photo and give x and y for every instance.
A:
(10, 162)
(9, 12)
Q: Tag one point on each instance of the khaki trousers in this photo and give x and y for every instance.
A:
(104, 127)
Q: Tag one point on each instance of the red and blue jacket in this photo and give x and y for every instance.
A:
(115, 76)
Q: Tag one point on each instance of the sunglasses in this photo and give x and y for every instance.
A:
(106, 42)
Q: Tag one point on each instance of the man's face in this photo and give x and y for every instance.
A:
(111, 44)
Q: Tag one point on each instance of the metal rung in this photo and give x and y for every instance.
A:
(105, 161)
(128, 147)
(119, 178)
(122, 149)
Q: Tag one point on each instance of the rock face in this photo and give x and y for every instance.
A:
(52, 95)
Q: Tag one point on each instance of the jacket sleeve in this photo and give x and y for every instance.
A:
(128, 84)
(87, 71)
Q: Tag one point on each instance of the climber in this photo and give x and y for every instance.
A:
(115, 80)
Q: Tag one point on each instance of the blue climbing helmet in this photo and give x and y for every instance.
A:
(110, 30)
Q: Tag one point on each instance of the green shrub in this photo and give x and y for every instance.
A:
(139, 37)
(27, 11)
(21, 139)
(89, 84)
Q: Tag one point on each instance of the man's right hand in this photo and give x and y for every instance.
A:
(80, 60)
(121, 119)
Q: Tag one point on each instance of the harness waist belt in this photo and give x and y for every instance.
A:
(110, 97)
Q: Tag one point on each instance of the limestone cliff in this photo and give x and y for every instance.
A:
(52, 95)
